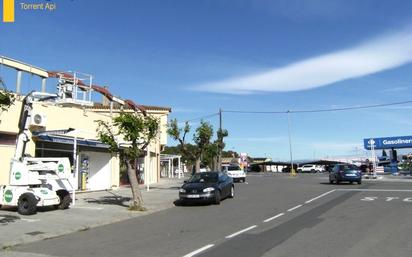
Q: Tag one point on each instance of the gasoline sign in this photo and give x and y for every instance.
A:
(388, 142)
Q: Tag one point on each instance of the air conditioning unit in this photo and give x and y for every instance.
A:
(38, 119)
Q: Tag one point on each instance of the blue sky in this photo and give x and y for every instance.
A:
(257, 55)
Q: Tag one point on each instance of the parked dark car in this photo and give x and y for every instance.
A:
(209, 186)
(345, 172)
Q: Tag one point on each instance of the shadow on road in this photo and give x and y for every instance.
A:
(6, 219)
(111, 200)
(180, 203)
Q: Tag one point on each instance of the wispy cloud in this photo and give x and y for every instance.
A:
(394, 89)
(382, 53)
(185, 110)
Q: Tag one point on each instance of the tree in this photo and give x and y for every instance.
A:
(6, 97)
(230, 153)
(201, 138)
(215, 150)
(179, 134)
(138, 131)
(221, 134)
(189, 160)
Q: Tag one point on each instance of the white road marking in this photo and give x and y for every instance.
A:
(374, 190)
(294, 208)
(241, 231)
(320, 196)
(199, 250)
(29, 220)
(274, 217)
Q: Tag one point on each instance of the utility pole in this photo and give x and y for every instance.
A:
(292, 170)
(219, 158)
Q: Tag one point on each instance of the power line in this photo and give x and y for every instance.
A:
(203, 117)
(255, 112)
(320, 110)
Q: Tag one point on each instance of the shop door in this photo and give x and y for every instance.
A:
(99, 171)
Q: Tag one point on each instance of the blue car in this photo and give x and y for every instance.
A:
(345, 172)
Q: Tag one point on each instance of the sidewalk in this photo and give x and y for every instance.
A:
(91, 209)
(389, 177)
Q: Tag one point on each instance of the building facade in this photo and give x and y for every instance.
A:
(67, 127)
(96, 167)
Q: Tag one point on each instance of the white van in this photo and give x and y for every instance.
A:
(235, 172)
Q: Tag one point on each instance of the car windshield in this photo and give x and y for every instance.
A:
(233, 168)
(349, 167)
(205, 177)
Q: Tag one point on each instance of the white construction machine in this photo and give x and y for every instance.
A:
(35, 182)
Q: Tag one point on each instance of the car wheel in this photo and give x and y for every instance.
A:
(232, 192)
(65, 200)
(27, 204)
(359, 182)
(217, 197)
(330, 181)
(337, 181)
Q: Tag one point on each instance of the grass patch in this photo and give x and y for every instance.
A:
(6, 247)
(137, 208)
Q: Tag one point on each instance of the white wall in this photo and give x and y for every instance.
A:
(100, 173)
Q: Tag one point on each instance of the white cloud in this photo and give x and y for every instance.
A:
(394, 89)
(184, 110)
(385, 52)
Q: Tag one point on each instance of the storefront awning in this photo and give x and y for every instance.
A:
(69, 140)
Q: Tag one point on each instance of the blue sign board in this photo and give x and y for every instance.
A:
(388, 142)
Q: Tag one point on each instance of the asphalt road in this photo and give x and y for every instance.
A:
(273, 215)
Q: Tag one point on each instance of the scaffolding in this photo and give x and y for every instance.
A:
(74, 88)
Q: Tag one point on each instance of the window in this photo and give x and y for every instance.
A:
(7, 139)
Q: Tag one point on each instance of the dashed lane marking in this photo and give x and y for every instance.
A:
(274, 217)
(241, 231)
(320, 196)
(204, 248)
(254, 226)
(294, 208)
